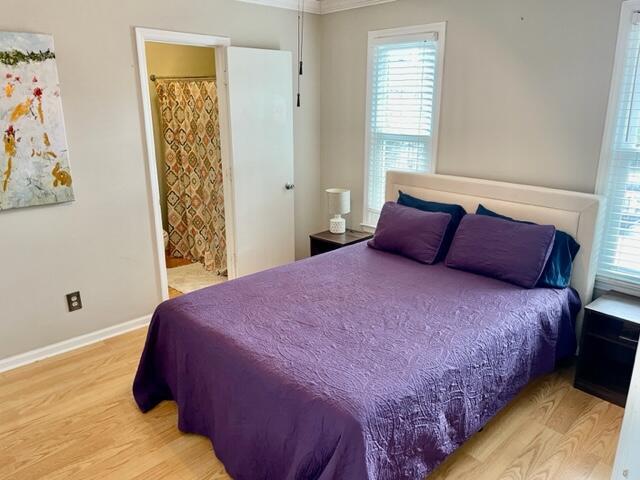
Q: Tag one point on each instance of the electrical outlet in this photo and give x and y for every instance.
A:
(74, 302)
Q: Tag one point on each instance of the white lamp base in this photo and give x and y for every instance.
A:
(337, 224)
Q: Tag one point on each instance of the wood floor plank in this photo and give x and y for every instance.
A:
(535, 458)
(573, 405)
(73, 417)
(577, 467)
(536, 403)
(515, 454)
(458, 465)
(173, 293)
(604, 441)
(601, 472)
(546, 394)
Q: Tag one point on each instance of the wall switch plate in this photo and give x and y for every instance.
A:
(74, 302)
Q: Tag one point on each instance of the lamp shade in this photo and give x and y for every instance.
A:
(339, 201)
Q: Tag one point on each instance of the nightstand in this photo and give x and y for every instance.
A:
(608, 346)
(326, 241)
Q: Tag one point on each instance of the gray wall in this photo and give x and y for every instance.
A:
(525, 88)
(102, 243)
(525, 91)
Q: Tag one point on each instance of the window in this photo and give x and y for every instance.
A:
(619, 176)
(403, 89)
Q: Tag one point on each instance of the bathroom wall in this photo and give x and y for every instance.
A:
(166, 60)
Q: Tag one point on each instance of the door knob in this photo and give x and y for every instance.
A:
(289, 186)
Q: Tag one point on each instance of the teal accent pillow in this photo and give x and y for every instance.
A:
(456, 212)
(557, 271)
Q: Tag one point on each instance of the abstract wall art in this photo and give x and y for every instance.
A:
(34, 158)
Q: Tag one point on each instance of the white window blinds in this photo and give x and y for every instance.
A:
(620, 253)
(403, 74)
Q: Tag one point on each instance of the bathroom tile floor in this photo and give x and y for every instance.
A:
(190, 278)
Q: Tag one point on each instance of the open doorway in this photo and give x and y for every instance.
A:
(255, 109)
(181, 105)
(186, 130)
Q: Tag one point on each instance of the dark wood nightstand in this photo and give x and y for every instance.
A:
(608, 346)
(326, 241)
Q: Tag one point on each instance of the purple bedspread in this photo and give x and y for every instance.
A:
(357, 364)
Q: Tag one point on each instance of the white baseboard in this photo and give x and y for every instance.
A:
(26, 358)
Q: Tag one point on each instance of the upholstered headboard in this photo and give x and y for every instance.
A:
(573, 212)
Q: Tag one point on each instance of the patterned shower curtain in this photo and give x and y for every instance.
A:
(193, 171)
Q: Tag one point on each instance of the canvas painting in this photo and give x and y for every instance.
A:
(34, 159)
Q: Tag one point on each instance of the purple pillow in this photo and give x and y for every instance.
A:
(410, 232)
(509, 251)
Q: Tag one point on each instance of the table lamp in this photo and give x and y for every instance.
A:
(339, 204)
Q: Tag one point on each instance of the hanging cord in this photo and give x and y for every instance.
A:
(300, 45)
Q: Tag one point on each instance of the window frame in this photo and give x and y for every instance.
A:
(628, 8)
(398, 35)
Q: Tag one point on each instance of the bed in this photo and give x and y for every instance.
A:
(361, 364)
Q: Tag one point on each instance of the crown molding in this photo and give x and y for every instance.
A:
(310, 6)
(331, 6)
(319, 7)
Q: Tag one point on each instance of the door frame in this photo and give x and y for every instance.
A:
(144, 35)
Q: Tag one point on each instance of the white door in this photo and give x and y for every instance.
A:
(257, 137)
(627, 463)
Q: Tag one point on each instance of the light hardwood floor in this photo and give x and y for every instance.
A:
(172, 262)
(73, 417)
(173, 293)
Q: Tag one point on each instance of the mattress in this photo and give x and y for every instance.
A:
(355, 364)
